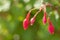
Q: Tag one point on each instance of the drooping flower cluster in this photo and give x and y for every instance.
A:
(27, 21)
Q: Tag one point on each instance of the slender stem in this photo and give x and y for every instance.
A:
(32, 9)
(28, 15)
(36, 14)
(44, 8)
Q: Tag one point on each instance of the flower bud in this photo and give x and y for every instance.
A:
(44, 18)
(32, 21)
(25, 24)
(26, 21)
(50, 27)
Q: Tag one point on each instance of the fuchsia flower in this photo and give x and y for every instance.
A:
(32, 21)
(50, 27)
(44, 18)
(26, 21)
(25, 24)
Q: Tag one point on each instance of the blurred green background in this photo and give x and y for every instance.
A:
(13, 12)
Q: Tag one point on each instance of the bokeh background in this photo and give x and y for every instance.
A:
(13, 12)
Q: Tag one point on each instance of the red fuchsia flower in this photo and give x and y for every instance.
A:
(50, 27)
(44, 18)
(32, 20)
(25, 24)
(26, 21)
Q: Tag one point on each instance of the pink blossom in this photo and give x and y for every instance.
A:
(25, 24)
(44, 19)
(26, 21)
(51, 28)
(32, 21)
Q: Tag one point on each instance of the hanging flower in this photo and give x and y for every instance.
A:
(26, 21)
(25, 24)
(44, 18)
(32, 21)
(50, 27)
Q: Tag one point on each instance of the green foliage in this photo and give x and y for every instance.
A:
(12, 23)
